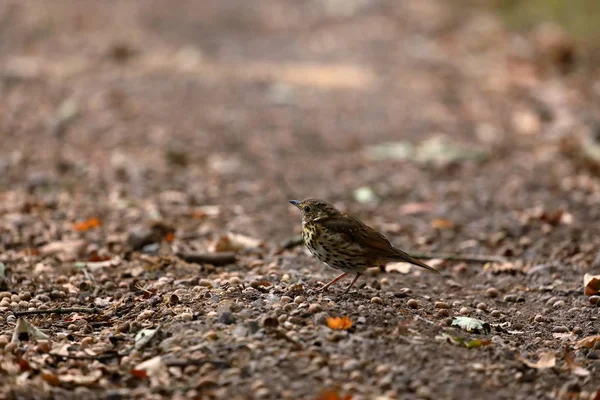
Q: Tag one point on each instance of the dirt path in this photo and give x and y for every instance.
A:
(135, 131)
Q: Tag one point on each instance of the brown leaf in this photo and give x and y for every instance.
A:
(591, 284)
(339, 323)
(442, 223)
(575, 368)
(51, 378)
(236, 242)
(547, 360)
(139, 373)
(588, 342)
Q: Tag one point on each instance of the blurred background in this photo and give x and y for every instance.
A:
(446, 122)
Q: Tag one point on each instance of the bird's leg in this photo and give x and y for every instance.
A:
(324, 288)
(353, 282)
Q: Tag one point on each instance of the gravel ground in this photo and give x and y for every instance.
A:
(148, 154)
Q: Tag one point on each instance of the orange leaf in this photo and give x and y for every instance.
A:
(441, 223)
(139, 373)
(339, 323)
(87, 225)
(169, 237)
(333, 395)
(51, 378)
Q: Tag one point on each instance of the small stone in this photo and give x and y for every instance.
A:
(321, 318)
(492, 293)
(3, 341)
(43, 346)
(124, 327)
(351, 365)
(270, 322)
(577, 330)
(205, 283)
(423, 392)
(23, 304)
(145, 315)
(594, 299)
(11, 319)
(376, 300)
(558, 304)
(356, 375)
(443, 313)
(456, 303)
(385, 383)
(262, 393)
(25, 296)
(211, 335)
(10, 348)
(464, 311)
(496, 314)
(212, 314)
(315, 308)
(510, 298)
(15, 298)
(285, 299)
(574, 310)
(86, 342)
(235, 281)
(412, 303)
(186, 316)
(482, 306)
(382, 369)
(299, 299)
(593, 355)
(6, 295)
(539, 318)
(441, 304)
(226, 318)
(384, 281)
(140, 236)
(560, 329)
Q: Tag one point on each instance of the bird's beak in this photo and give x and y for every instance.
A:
(296, 203)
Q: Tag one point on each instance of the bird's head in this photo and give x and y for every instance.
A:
(314, 209)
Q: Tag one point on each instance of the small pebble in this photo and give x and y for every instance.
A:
(443, 312)
(15, 298)
(594, 299)
(560, 329)
(10, 348)
(539, 318)
(26, 296)
(186, 316)
(124, 327)
(5, 294)
(593, 355)
(315, 308)
(441, 304)
(226, 318)
(86, 342)
(285, 299)
(577, 330)
(510, 298)
(412, 303)
(270, 322)
(351, 365)
(492, 293)
(205, 283)
(558, 304)
(482, 306)
(356, 375)
(110, 285)
(282, 318)
(11, 319)
(574, 310)
(23, 305)
(495, 314)
(235, 281)
(299, 299)
(3, 341)
(212, 314)
(382, 369)
(464, 311)
(211, 335)
(376, 300)
(384, 281)
(423, 392)
(262, 393)
(43, 346)
(144, 315)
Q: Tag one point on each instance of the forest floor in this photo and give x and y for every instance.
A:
(149, 150)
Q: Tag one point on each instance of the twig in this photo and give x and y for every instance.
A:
(460, 257)
(185, 363)
(99, 357)
(216, 259)
(59, 310)
(292, 242)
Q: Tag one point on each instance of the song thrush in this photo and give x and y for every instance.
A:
(345, 243)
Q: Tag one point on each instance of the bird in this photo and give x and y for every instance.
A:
(345, 243)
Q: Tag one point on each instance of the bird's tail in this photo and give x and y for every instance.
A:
(405, 257)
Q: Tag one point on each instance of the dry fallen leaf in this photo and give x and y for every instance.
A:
(87, 225)
(67, 247)
(339, 323)
(591, 284)
(236, 242)
(416, 208)
(442, 223)
(25, 331)
(588, 342)
(75, 377)
(333, 395)
(155, 369)
(547, 360)
(573, 366)
(403, 268)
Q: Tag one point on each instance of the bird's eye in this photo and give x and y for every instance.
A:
(306, 208)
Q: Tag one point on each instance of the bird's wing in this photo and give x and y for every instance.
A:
(358, 232)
